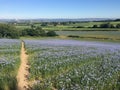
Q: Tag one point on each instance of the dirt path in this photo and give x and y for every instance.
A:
(23, 72)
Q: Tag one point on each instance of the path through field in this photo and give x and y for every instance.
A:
(23, 72)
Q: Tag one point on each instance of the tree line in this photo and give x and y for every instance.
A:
(106, 25)
(10, 31)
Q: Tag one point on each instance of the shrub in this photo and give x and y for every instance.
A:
(73, 36)
(44, 24)
(51, 33)
(95, 26)
(107, 25)
(33, 32)
(8, 31)
(118, 26)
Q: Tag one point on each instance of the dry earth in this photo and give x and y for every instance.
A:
(23, 72)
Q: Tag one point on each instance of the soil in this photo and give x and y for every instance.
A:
(23, 72)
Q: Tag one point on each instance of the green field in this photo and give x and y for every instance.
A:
(22, 27)
(78, 29)
(95, 34)
(86, 26)
(85, 30)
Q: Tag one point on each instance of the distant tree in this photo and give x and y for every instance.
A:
(55, 23)
(112, 26)
(33, 26)
(24, 32)
(74, 22)
(63, 23)
(40, 31)
(0, 35)
(44, 24)
(79, 27)
(51, 33)
(117, 20)
(95, 26)
(107, 25)
(104, 25)
(30, 32)
(118, 26)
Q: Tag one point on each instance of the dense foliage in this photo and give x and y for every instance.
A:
(37, 31)
(118, 26)
(8, 31)
(51, 33)
(106, 25)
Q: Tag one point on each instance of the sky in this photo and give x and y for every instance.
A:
(16, 9)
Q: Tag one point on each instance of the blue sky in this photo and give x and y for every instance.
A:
(59, 8)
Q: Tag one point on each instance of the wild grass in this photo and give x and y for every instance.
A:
(9, 63)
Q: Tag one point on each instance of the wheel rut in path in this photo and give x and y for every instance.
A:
(23, 71)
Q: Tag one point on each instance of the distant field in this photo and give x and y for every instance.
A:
(66, 27)
(22, 27)
(79, 29)
(90, 24)
(92, 34)
(109, 33)
(84, 32)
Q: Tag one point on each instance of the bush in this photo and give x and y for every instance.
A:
(107, 25)
(8, 31)
(37, 31)
(51, 33)
(73, 36)
(118, 26)
(44, 24)
(95, 26)
(78, 27)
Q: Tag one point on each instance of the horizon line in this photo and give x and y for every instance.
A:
(65, 18)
